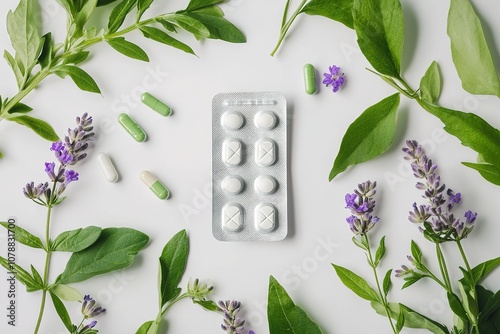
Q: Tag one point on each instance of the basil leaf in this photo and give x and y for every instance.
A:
(469, 50)
(62, 312)
(412, 318)
(380, 252)
(66, 292)
(284, 316)
(189, 24)
(387, 284)
(15, 68)
(40, 127)
(488, 171)
(430, 85)
(472, 130)
(45, 57)
(370, 135)
(356, 284)
(24, 35)
(21, 275)
(142, 6)
(379, 26)
(338, 10)
(173, 262)
(160, 36)
(115, 249)
(198, 4)
(118, 15)
(81, 78)
(76, 58)
(76, 240)
(147, 327)
(128, 49)
(24, 237)
(220, 28)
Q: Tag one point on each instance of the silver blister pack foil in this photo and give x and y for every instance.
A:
(249, 167)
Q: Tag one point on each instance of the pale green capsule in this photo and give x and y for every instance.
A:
(155, 185)
(155, 104)
(310, 79)
(132, 127)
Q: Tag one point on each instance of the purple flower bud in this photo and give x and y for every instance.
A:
(70, 176)
(88, 309)
(334, 78)
(32, 192)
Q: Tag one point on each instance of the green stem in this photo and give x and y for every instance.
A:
(382, 295)
(284, 28)
(47, 261)
(469, 270)
(443, 268)
(432, 276)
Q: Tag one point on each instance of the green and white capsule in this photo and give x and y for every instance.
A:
(132, 127)
(155, 104)
(155, 185)
(310, 79)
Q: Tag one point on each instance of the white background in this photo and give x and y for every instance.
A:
(178, 151)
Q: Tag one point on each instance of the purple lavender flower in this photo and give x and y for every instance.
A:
(87, 329)
(231, 324)
(88, 309)
(32, 192)
(334, 78)
(361, 205)
(437, 214)
(70, 176)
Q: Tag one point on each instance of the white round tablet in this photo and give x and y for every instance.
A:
(232, 185)
(265, 184)
(265, 120)
(232, 120)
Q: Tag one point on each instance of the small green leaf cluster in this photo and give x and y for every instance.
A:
(379, 26)
(35, 56)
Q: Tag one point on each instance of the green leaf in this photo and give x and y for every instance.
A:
(41, 128)
(357, 284)
(210, 10)
(489, 303)
(24, 237)
(416, 252)
(104, 2)
(430, 85)
(379, 26)
(412, 318)
(15, 67)
(76, 58)
(284, 316)
(67, 293)
(339, 10)
(46, 55)
(199, 4)
(360, 243)
(20, 108)
(21, 275)
(68, 6)
(118, 15)
(36, 276)
(24, 35)
(380, 251)
(472, 130)
(387, 284)
(208, 305)
(128, 49)
(76, 240)
(412, 279)
(160, 36)
(189, 24)
(62, 312)
(480, 271)
(167, 25)
(173, 262)
(220, 28)
(400, 323)
(468, 302)
(142, 6)
(83, 15)
(487, 171)
(370, 135)
(469, 50)
(147, 327)
(456, 306)
(115, 249)
(80, 77)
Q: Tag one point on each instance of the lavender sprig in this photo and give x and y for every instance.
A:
(231, 323)
(361, 205)
(89, 310)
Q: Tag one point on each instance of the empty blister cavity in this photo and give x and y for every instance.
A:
(265, 217)
(265, 120)
(232, 185)
(265, 184)
(232, 152)
(265, 152)
(232, 120)
(232, 217)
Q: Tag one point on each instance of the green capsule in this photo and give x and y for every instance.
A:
(155, 185)
(132, 127)
(310, 79)
(155, 104)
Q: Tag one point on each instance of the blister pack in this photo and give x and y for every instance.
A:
(249, 167)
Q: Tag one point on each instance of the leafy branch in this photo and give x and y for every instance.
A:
(36, 57)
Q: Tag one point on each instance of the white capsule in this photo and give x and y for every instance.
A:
(107, 167)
